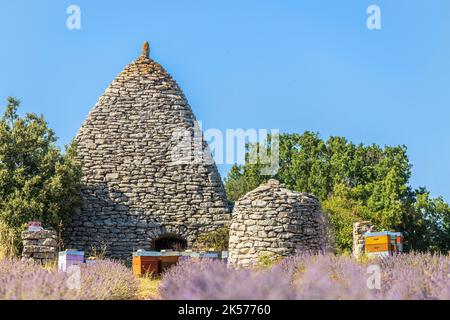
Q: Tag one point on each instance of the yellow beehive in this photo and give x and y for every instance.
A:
(384, 239)
(378, 247)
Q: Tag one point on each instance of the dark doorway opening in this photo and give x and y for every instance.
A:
(169, 242)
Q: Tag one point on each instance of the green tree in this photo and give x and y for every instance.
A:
(426, 222)
(242, 179)
(37, 181)
(342, 213)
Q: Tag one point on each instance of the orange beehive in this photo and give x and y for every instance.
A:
(378, 247)
(144, 265)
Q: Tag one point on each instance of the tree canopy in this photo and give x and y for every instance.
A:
(37, 181)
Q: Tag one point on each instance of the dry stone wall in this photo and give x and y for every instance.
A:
(40, 246)
(359, 229)
(275, 221)
(134, 192)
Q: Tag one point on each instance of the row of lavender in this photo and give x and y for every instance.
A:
(406, 276)
(105, 280)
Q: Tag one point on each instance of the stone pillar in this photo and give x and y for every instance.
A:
(40, 246)
(359, 229)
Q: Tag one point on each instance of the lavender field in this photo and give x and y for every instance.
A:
(106, 280)
(407, 276)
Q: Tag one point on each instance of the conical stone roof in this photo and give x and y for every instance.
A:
(134, 192)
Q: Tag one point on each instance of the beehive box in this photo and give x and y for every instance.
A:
(224, 256)
(146, 262)
(378, 247)
(377, 239)
(386, 242)
(69, 258)
(396, 241)
(376, 243)
(168, 259)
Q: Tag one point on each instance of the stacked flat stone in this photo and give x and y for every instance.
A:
(275, 221)
(359, 229)
(40, 246)
(134, 192)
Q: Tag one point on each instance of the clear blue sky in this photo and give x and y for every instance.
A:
(292, 65)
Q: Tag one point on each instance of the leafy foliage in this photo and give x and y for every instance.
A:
(216, 240)
(37, 181)
(354, 182)
(342, 213)
(9, 242)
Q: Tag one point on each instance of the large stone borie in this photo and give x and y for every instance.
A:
(135, 194)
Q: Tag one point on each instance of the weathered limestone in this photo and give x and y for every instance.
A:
(276, 221)
(40, 246)
(359, 229)
(133, 191)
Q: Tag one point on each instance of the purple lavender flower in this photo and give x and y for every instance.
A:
(408, 276)
(29, 281)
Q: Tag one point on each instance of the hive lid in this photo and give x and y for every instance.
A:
(171, 253)
(143, 253)
(71, 252)
(381, 233)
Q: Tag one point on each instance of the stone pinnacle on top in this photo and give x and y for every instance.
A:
(273, 183)
(145, 50)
